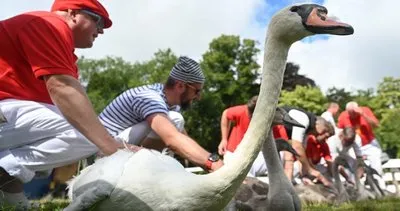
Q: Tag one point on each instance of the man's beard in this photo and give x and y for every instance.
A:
(185, 104)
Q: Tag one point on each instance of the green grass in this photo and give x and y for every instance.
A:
(387, 204)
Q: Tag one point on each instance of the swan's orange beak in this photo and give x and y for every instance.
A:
(317, 22)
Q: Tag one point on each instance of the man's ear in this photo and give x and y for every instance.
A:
(180, 86)
(71, 14)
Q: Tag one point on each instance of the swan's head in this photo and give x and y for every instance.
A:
(299, 21)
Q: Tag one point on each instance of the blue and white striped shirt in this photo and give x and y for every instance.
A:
(134, 106)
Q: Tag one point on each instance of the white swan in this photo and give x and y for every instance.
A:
(147, 180)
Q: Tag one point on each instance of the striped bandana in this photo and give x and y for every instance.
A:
(187, 70)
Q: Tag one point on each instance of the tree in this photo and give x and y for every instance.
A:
(388, 95)
(231, 70)
(109, 77)
(292, 78)
(364, 97)
(339, 96)
(308, 98)
(388, 133)
(386, 106)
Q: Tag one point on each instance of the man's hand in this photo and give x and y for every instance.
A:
(358, 110)
(320, 177)
(110, 149)
(216, 165)
(222, 147)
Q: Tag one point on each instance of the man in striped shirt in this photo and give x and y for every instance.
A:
(149, 115)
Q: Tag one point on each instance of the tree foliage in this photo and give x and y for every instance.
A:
(305, 97)
(292, 78)
(232, 77)
(231, 72)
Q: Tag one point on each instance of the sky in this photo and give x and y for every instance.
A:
(141, 27)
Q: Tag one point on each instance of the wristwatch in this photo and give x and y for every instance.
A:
(214, 157)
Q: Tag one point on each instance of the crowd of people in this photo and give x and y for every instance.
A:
(47, 120)
(317, 144)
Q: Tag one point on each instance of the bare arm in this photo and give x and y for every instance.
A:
(372, 121)
(69, 96)
(329, 166)
(225, 126)
(178, 142)
(368, 115)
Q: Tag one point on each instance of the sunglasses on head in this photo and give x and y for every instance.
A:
(96, 18)
(197, 91)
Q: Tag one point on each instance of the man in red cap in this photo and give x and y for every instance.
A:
(46, 118)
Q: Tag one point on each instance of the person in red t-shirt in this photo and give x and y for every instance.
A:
(279, 131)
(240, 117)
(46, 119)
(317, 149)
(363, 120)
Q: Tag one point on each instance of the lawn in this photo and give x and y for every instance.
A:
(387, 204)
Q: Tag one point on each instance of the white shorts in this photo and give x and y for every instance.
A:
(36, 137)
(373, 151)
(137, 133)
(258, 168)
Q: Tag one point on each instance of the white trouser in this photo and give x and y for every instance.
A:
(373, 151)
(137, 133)
(36, 137)
(257, 169)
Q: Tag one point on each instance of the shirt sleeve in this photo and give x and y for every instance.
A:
(310, 142)
(147, 104)
(357, 150)
(369, 113)
(48, 46)
(327, 152)
(298, 133)
(233, 113)
(343, 120)
(279, 131)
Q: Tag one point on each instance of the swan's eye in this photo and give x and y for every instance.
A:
(294, 9)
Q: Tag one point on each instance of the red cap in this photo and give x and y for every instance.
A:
(92, 5)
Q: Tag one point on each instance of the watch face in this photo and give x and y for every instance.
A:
(214, 157)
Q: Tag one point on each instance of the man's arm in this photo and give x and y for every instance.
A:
(369, 116)
(178, 142)
(329, 166)
(225, 126)
(69, 96)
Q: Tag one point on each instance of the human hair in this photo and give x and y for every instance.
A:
(332, 105)
(251, 104)
(329, 128)
(351, 105)
(170, 82)
(349, 134)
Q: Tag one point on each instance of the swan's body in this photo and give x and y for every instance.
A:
(147, 180)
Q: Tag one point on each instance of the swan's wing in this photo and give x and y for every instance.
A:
(92, 195)
(97, 181)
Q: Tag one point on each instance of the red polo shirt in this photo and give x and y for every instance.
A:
(240, 116)
(316, 150)
(360, 124)
(279, 131)
(33, 45)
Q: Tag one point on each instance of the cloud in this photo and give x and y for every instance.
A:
(141, 27)
(359, 61)
(187, 27)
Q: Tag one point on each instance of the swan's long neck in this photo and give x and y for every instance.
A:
(274, 164)
(230, 176)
